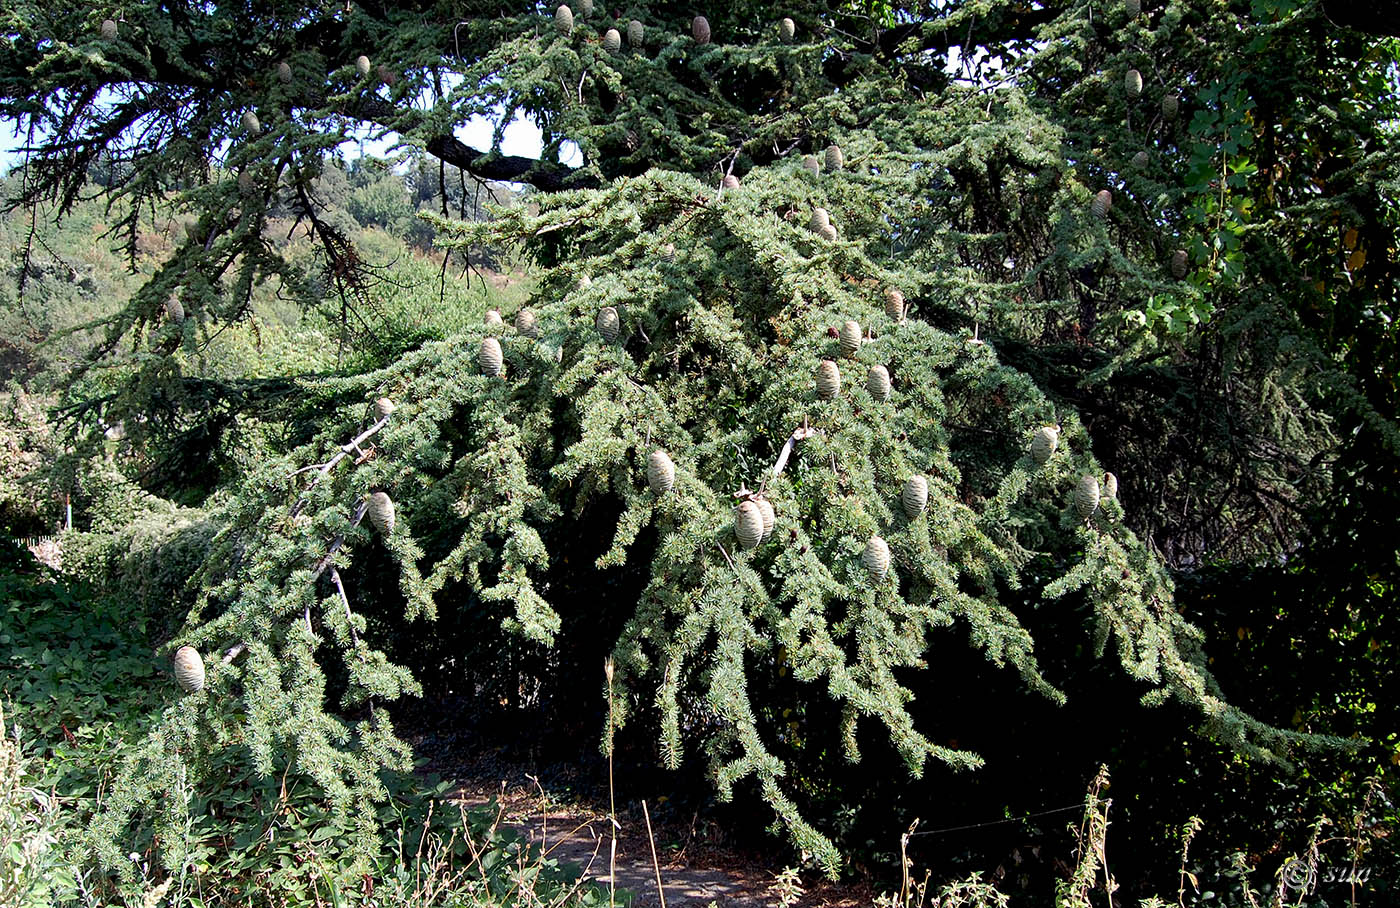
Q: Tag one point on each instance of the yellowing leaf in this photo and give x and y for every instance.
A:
(1356, 260)
(1349, 238)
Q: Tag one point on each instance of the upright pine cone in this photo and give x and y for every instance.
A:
(490, 357)
(730, 181)
(787, 29)
(827, 232)
(770, 516)
(835, 160)
(850, 337)
(700, 28)
(811, 164)
(386, 75)
(636, 33)
(1140, 160)
(284, 73)
(526, 324)
(362, 64)
(189, 670)
(1043, 445)
(109, 30)
(877, 382)
(876, 558)
(1086, 496)
(493, 318)
(612, 41)
(1171, 104)
(381, 513)
(1180, 264)
(828, 380)
(608, 324)
(894, 304)
(174, 309)
(1133, 8)
(1132, 82)
(661, 472)
(585, 8)
(564, 20)
(820, 218)
(383, 407)
(246, 183)
(1103, 201)
(748, 525)
(668, 253)
(251, 123)
(914, 496)
(1110, 486)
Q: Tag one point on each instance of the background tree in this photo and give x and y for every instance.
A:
(1101, 217)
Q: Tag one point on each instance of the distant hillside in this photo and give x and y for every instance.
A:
(57, 280)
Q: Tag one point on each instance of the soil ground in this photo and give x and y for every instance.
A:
(568, 817)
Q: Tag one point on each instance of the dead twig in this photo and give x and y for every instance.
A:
(660, 892)
(352, 447)
(339, 541)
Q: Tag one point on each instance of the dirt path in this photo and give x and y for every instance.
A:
(573, 833)
(567, 817)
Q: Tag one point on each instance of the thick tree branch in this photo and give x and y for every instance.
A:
(511, 168)
(190, 69)
(943, 34)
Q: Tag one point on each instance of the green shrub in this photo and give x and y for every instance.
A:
(32, 872)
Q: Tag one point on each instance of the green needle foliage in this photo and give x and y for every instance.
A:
(968, 185)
